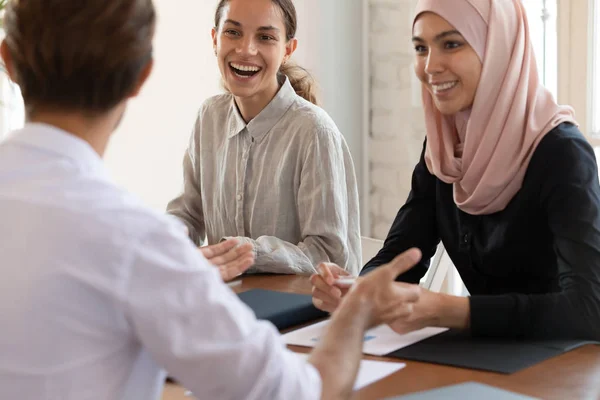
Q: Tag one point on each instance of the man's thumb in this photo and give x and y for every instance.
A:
(404, 262)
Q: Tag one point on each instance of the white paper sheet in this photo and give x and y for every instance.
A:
(377, 341)
(234, 283)
(371, 371)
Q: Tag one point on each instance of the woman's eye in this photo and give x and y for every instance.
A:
(453, 45)
(420, 48)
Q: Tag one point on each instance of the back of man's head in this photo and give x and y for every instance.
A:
(78, 55)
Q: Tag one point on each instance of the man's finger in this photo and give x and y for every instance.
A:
(407, 293)
(402, 311)
(403, 263)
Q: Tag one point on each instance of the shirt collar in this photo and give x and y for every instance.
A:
(260, 125)
(51, 139)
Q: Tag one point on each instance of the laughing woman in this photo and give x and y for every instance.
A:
(265, 164)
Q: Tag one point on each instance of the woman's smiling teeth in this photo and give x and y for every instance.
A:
(244, 71)
(442, 87)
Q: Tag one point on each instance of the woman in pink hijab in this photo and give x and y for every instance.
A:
(506, 181)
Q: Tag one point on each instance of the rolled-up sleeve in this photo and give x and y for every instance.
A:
(328, 212)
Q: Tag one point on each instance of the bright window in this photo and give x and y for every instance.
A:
(543, 30)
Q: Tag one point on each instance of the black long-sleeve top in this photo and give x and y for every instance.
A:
(532, 269)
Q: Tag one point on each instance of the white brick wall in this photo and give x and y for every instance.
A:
(396, 123)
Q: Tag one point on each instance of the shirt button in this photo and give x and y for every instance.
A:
(466, 238)
(239, 197)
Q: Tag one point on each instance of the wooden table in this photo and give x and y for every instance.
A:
(573, 375)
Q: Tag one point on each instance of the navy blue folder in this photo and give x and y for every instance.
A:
(284, 310)
(497, 355)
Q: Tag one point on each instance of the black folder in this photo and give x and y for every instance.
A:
(284, 310)
(505, 356)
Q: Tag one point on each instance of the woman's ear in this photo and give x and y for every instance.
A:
(213, 34)
(290, 48)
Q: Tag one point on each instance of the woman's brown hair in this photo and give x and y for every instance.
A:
(300, 79)
(78, 54)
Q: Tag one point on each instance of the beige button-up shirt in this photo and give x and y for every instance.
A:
(284, 182)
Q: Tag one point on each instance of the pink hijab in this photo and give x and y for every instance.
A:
(485, 151)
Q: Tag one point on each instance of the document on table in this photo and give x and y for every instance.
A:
(377, 341)
(371, 371)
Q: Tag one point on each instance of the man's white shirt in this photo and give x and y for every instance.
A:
(99, 295)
